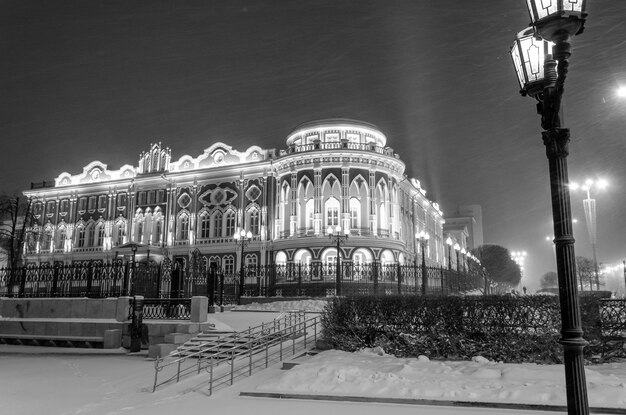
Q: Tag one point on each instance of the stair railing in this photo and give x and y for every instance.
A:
(267, 339)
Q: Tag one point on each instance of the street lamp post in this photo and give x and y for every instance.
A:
(589, 206)
(337, 237)
(423, 237)
(242, 238)
(457, 249)
(540, 76)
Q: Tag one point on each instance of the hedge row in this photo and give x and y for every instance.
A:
(501, 328)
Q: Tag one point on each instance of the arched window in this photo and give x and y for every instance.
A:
(204, 225)
(310, 213)
(183, 227)
(139, 237)
(355, 213)
(100, 234)
(229, 264)
(47, 238)
(158, 230)
(120, 232)
(217, 224)
(60, 238)
(332, 212)
(230, 223)
(253, 221)
(80, 237)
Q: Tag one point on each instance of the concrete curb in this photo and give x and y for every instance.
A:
(428, 402)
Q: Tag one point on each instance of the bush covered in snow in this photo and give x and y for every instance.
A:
(500, 328)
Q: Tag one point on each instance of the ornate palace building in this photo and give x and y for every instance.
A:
(333, 173)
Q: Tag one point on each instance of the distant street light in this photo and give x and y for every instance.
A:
(621, 92)
(589, 205)
(541, 71)
(423, 237)
(337, 237)
(457, 248)
(242, 238)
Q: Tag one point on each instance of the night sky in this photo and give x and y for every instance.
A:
(101, 80)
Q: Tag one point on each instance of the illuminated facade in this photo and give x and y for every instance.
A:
(332, 173)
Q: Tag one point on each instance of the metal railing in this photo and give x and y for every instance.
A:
(240, 354)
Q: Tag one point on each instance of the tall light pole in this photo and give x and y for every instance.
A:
(449, 243)
(589, 206)
(337, 237)
(423, 237)
(541, 73)
(242, 238)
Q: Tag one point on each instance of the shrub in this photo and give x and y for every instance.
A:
(501, 328)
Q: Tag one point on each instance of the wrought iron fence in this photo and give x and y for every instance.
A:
(167, 280)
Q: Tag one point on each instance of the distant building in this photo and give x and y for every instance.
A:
(337, 173)
(466, 224)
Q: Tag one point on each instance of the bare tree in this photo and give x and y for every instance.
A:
(16, 220)
(585, 272)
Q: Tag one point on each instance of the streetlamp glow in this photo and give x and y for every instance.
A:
(528, 54)
(423, 237)
(551, 17)
(621, 92)
(242, 238)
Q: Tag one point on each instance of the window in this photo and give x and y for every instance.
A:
(184, 227)
(61, 235)
(332, 216)
(100, 235)
(80, 238)
(121, 200)
(102, 202)
(151, 197)
(47, 238)
(229, 264)
(355, 207)
(254, 222)
(139, 236)
(82, 204)
(251, 260)
(309, 213)
(217, 225)
(205, 225)
(158, 230)
(120, 233)
(89, 234)
(160, 196)
(141, 198)
(92, 203)
(230, 223)
(51, 207)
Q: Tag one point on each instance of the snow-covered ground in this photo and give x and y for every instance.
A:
(314, 306)
(51, 381)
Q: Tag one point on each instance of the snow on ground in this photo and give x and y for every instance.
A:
(372, 373)
(314, 306)
(71, 382)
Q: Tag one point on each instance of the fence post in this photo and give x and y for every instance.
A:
(221, 289)
(211, 284)
(136, 324)
(374, 268)
(22, 283)
(125, 290)
(159, 278)
(399, 279)
(443, 285)
(55, 281)
(89, 279)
